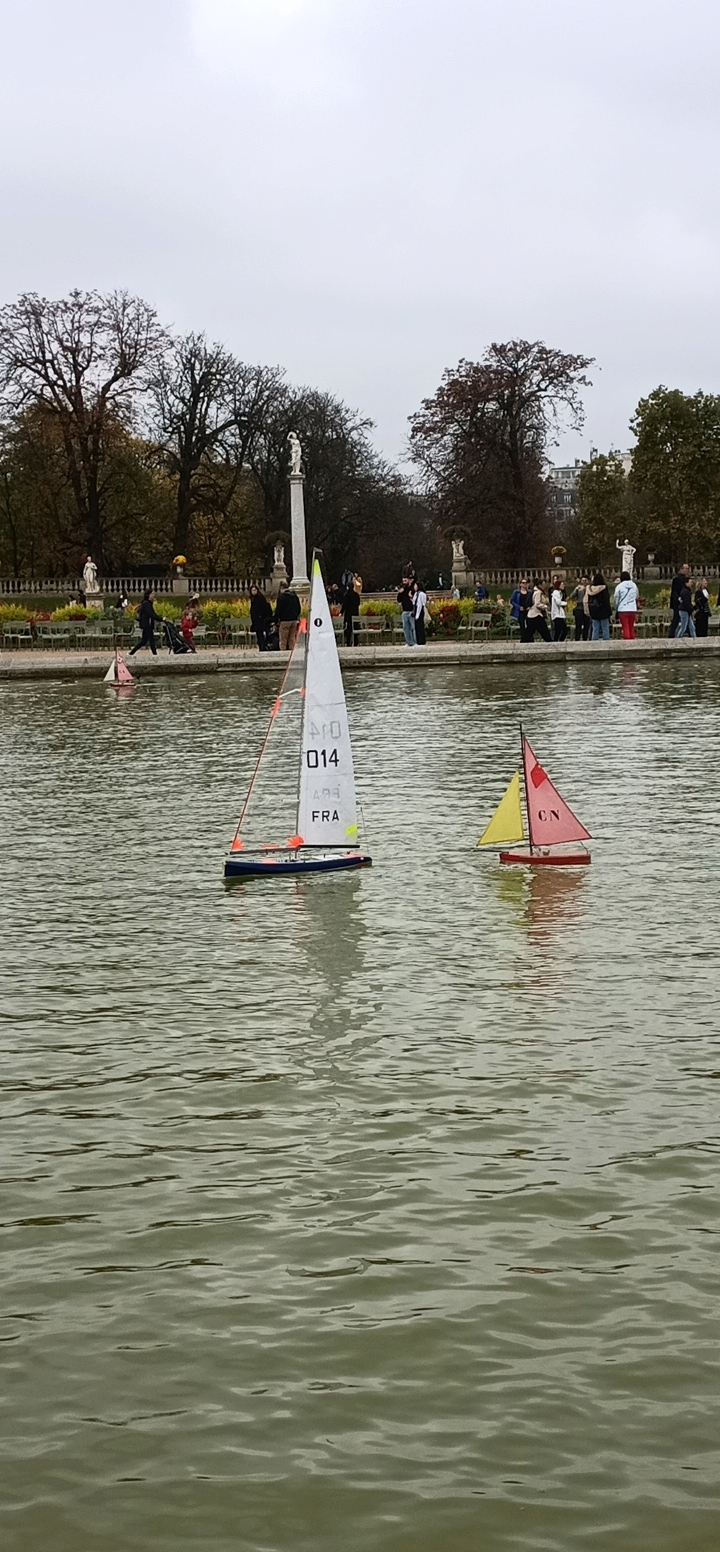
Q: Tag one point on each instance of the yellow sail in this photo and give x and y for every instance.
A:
(507, 821)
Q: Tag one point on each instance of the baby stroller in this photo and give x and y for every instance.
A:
(173, 638)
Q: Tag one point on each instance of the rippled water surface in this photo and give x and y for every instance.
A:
(372, 1212)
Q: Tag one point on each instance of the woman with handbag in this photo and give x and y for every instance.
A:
(537, 614)
(422, 614)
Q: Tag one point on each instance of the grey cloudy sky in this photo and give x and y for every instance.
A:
(366, 190)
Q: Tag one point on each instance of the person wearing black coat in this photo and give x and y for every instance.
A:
(678, 583)
(702, 608)
(287, 614)
(147, 620)
(260, 616)
(350, 613)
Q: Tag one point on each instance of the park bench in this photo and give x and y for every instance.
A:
(17, 633)
(370, 627)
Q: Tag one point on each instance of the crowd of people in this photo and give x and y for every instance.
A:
(544, 613)
(539, 612)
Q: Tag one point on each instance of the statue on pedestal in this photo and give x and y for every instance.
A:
(460, 560)
(295, 453)
(628, 554)
(90, 576)
(279, 555)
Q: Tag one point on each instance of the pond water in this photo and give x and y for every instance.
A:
(372, 1212)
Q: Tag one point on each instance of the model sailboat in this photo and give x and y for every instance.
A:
(309, 710)
(554, 832)
(118, 673)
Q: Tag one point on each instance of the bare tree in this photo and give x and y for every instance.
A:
(206, 403)
(82, 359)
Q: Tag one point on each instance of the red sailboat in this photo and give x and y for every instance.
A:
(554, 832)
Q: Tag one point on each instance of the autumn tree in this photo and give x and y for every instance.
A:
(343, 474)
(480, 443)
(80, 360)
(208, 408)
(676, 472)
(604, 508)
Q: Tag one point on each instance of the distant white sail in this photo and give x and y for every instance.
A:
(327, 812)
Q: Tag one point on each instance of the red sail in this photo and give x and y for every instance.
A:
(550, 821)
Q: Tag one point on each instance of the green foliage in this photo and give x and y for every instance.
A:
(71, 612)
(387, 608)
(13, 612)
(676, 473)
(603, 507)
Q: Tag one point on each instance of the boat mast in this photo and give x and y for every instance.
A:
(524, 771)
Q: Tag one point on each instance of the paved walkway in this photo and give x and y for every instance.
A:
(40, 664)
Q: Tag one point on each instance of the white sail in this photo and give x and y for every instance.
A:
(327, 813)
(111, 677)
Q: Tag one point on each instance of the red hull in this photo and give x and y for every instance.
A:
(539, 859)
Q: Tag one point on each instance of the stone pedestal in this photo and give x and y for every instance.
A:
(300, 578)
(181, 585)
(279, 574)
(462, 577)
(94, 600)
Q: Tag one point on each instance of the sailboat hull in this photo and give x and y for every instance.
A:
(543, 858)
(281, 864)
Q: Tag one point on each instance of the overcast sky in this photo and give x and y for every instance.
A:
(366, 190)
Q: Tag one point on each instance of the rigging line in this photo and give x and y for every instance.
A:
(273, 714)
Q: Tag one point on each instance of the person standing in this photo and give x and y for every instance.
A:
(625, 600)
(350, 613)
(260, 617)
(537, 614)
(189, 619)
(702, 608)
(686, 626)
(558, 607)
(405, 600)
(419, 597)
(582, 620)
(287, 614)
(147, 620)
(481, 593)
(598, 607)
(676, 587)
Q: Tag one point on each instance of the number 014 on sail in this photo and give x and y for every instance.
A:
(309, 711)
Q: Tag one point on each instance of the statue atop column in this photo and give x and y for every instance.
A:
(295, 453)
(628, 554)
(90, 576)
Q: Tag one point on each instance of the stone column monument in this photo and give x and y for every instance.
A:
(300, 578)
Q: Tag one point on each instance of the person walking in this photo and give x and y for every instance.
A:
(702, 608)
(287, 614)
(686, 626)
(419, 598)
(582, 620)
(558, 607)
(260, 617)
(597, 603)
(405, 600)
(676, 587)
(625, 601)
(537, 614)
(350, 613)
(147, 620)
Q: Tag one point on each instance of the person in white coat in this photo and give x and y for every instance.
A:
(558, 610)
(419, 607)
(626, 603)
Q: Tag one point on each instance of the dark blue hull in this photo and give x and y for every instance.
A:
(287, 864)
